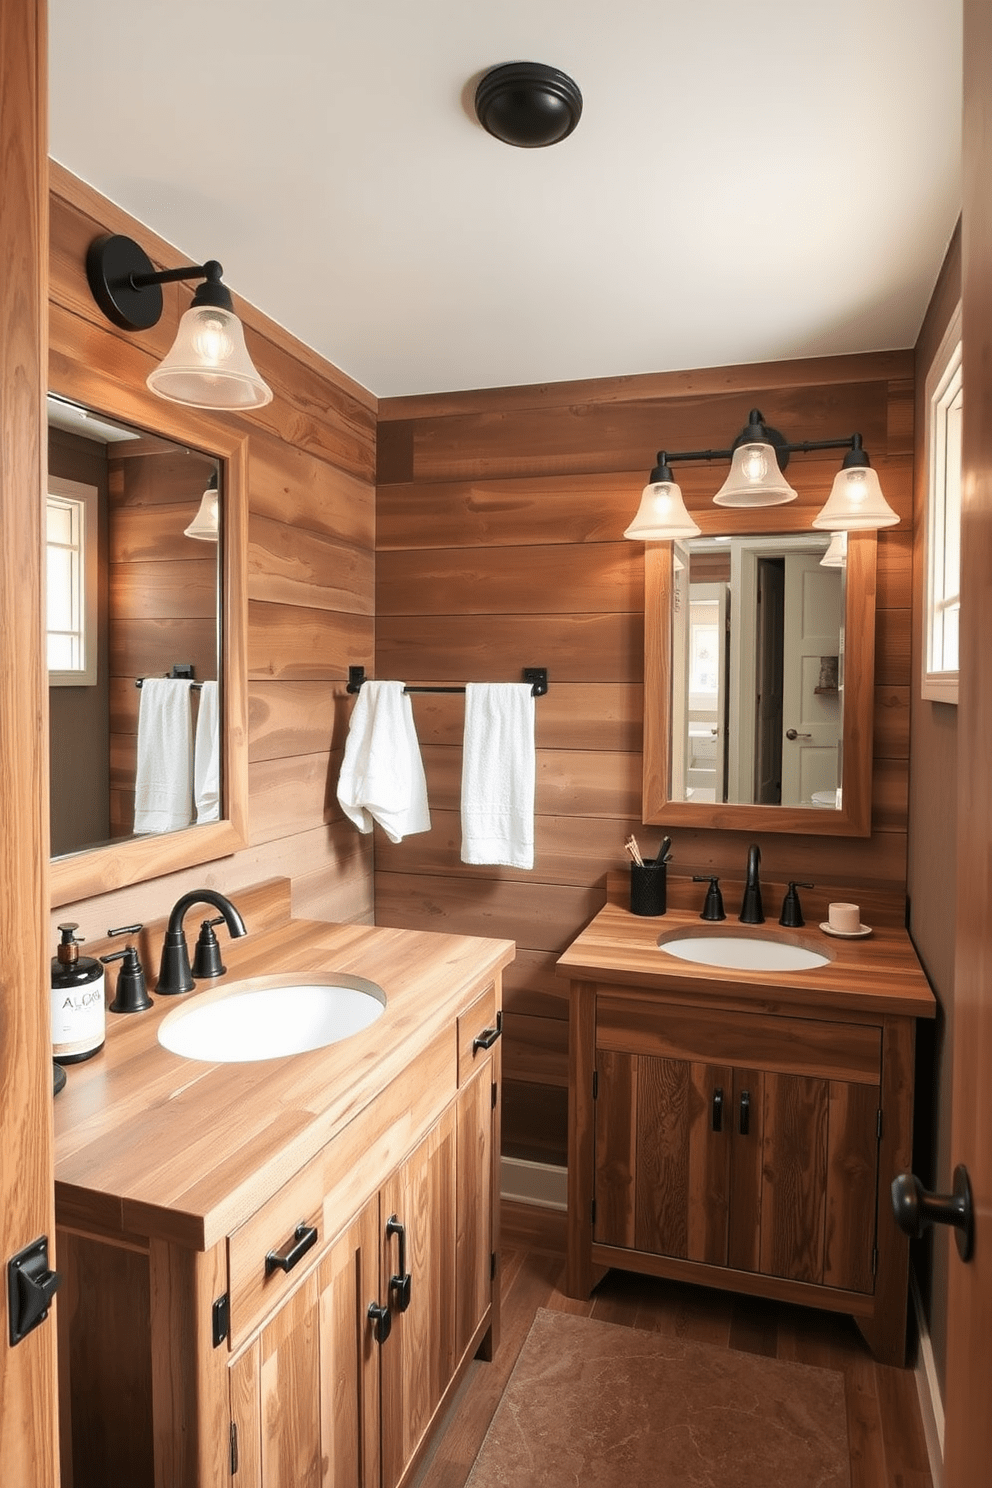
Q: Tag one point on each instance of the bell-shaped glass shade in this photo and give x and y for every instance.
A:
(754, 479)
(206, 524)
(661, 515)
(836, 553)
(209, 365)
(855, 503)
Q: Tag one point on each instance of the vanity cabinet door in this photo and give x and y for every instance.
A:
(663, 1145)
(418, 1358)
(761, 1170)
(305, 1394)
(477, 1212)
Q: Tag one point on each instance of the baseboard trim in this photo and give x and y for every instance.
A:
(928, 1389)
(540, 1184)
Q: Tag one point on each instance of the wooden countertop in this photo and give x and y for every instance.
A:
(148, 1143)
(879, 975)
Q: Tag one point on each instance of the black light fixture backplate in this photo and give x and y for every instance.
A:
(528, 104)
(111, 263)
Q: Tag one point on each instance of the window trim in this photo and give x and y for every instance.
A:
(89, 497)
(937, 685)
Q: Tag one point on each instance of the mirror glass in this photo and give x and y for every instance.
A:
(757, 680)
(134, 591)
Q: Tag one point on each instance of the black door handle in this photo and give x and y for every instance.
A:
(915, 1208)
(718, 1110)
(382, 1321)
(399, 1285)
(745, 1113)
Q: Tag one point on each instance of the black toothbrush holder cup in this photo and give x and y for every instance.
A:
(648, 887)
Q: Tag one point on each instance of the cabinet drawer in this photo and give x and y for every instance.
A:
(256, 1288)
(792, 1046)
(479, 1026)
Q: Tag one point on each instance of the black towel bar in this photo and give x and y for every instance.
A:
(536, 676)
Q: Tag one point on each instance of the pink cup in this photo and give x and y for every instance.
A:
(844, 917)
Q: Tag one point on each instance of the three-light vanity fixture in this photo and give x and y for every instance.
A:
(208, 365)
(758, 459)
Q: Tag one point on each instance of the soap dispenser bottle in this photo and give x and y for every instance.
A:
(78, 1009)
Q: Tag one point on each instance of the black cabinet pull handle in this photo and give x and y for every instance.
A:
(488, 1036)
(399, 1285)
(382, 1321)
(745, 1120)
(304, 1237)
(718, 1110)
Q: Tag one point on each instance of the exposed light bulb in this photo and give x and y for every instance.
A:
(754, 466)
(210, 338)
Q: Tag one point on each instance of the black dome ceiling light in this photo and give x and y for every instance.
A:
(528, 104)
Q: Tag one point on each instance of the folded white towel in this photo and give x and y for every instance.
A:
(206, 755)
(498, 773)
(163, 788)
(382, 774)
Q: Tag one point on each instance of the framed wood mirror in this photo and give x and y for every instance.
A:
(128, 858)
(846, 813)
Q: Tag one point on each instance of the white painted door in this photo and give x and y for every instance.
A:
(811, 702)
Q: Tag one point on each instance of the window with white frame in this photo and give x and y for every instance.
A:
(942, 598)
(71, 582)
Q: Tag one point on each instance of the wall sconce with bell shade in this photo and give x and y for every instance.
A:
(206, 524)
(208, 365)
(758, 459)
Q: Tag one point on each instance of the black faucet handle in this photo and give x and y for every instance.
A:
(206, 957)
(713, 907)
(792, 914)
(132, 991)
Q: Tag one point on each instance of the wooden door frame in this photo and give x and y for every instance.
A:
(968, 1446)
(28, 1416)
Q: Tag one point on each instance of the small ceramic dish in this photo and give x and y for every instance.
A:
(859, 934)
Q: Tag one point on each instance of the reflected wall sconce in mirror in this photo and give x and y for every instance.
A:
(836, 554)
(206, 524)
(758, 459)
(208, 365)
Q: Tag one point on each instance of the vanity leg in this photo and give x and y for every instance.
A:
(885, 1331)
(190, 1394)
(581, 1138)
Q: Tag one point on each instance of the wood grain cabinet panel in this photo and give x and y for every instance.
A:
(742, 1167)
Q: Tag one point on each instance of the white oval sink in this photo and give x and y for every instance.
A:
(270, 1017)
(743, 953)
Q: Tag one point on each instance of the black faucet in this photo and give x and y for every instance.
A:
(174, 973)
(751, 911)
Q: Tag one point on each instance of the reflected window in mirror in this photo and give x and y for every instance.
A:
(158, 599)
(72, 518)
(942, 605)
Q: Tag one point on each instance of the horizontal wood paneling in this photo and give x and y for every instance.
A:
(500, 519)
(292, 566)
(310, 459)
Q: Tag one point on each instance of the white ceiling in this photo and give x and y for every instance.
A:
(750, 179)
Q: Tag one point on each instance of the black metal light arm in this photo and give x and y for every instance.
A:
(126, 284)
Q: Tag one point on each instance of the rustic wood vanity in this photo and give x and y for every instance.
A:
(741, 1129)
(276, 1272)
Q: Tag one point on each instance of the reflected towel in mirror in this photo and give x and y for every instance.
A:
(206, 755)
(163, 790)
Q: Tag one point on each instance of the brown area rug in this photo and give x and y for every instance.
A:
(590, 1403)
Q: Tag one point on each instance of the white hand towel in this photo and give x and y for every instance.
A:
(382, 774)
(206, 755)
(163, 788)
(498, 774)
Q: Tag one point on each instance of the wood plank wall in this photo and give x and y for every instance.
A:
(311, 455)
(499, 542)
